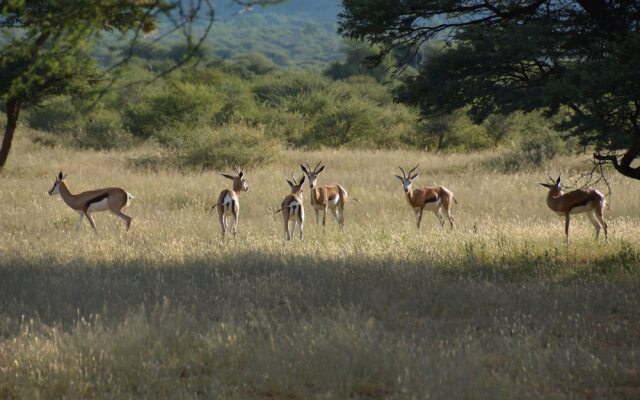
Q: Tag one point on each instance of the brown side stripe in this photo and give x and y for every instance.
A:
(96, 199)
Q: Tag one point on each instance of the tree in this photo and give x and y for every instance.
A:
(46, 44)
(354, 64)
(502, 56)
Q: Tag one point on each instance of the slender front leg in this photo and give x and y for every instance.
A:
(93, 225)
(300, 228)
(567, 220)
(420, 217)
(79, 220)
(317, 215)
(324, 215)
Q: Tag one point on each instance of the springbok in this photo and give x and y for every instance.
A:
(435, 199)
(111, 199)
(333, 197)
(292, 208)
(588, 201)
(228, 203)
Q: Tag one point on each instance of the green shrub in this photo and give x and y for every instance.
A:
(362, 124)
(103, 131)
(57, 115)
(183, 104)
(205, 147)
(277, 88)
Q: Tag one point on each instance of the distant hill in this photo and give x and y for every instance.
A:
(324, 11)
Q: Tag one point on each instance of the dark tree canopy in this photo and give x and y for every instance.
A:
(501, 56)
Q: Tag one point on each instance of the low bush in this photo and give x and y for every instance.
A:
(206, 147)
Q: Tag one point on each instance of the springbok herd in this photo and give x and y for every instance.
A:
(333, 197)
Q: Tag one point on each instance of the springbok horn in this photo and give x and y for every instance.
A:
(404, 175)
(293, 178)
(306, 163)
(319, 162)
(413, 169)
(552, 180)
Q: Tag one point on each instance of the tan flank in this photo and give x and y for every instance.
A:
(85, 203)
(588, 201)
(333, 197)
(436, 199)
(228, 203)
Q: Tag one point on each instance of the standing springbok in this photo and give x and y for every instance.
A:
(292, 208)
(435, 199)
(588, 201)
(111, 199)
(228, 203)
(333, 197)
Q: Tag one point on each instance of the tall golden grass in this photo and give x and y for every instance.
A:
(497, 308)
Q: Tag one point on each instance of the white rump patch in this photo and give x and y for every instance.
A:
(227, 203)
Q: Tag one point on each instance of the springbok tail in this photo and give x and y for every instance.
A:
(454, 199)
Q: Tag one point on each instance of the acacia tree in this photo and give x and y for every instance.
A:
(501, 56)
(46, 44)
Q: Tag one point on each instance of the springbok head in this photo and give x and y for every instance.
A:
(55, 189)
(296, 187)
(407, 179)
(555, 185)
(239, 183)
(312, 173)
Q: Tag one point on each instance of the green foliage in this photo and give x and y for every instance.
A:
(205, 147)
(509, 57)
(57, 115)
(179, 103)
(357, 62)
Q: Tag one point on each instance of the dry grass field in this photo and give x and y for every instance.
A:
(499, 308)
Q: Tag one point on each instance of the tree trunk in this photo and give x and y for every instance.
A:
(13, 112)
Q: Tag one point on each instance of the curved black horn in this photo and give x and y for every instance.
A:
(414, 168)
(404, 174)
(293, 178)
(319, 162)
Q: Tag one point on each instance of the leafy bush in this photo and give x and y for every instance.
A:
(183, 104)
(58, 115)
(205, 147)
(103, 131)
(359, 123)
(275, 89)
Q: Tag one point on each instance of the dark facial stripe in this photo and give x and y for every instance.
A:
(97, 199)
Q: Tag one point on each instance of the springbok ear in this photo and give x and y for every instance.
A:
(60, 176)
(228, 176)
(302, 179)
(289, 182)
(399, 177)
(415, 176)
(546, 185)
(241, 174)
(321, 169)
(304, 169)
(558, 180)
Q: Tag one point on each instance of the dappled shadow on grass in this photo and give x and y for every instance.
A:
(291, 285)
(255, 325)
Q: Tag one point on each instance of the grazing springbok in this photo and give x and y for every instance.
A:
(228, 203)
(111, 199)
(333, 197)
(588, 201)
(435, 199)
(292, 208)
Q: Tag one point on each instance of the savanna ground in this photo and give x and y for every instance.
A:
(498, 308)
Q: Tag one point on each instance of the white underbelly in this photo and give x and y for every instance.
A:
(579, 210)
(429, 206)
(99, 206)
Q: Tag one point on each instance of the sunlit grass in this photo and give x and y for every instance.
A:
(497, 308)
